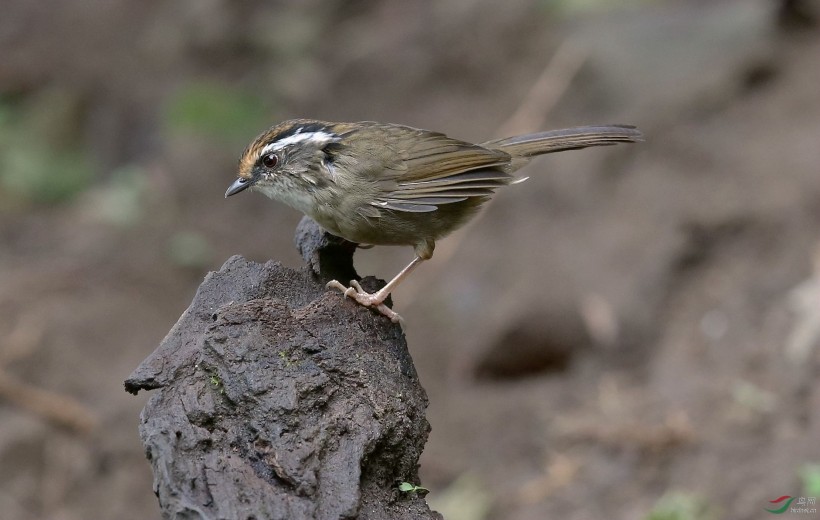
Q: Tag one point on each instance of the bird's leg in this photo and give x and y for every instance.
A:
(377, 298)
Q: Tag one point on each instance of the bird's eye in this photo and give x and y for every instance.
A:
(269, 160)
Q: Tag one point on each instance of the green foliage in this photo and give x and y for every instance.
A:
(289, 361)
(189, 249)
(407, 487)
(466, 498)
(682, 506)
(212, 110)
(39, 174)
(121, 199)
(217, 383)
(752, 397)
(213, 378)
(578, 7)
(41, 159)
(810, 479)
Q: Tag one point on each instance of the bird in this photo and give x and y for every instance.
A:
(377, 183)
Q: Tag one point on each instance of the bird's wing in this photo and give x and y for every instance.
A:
(427, 169)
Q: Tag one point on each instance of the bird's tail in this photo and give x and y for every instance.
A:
(529, 145)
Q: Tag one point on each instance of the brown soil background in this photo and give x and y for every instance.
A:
(631, 323)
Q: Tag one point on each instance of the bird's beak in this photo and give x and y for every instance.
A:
(237, 186)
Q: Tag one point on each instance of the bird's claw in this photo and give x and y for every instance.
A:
(362, 297)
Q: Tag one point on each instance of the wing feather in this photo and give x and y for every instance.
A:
(433, 170)
(415, 170)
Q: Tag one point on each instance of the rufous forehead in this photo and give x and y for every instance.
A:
(252, 152)
(249, 158)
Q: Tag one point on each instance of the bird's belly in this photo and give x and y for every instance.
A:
(402, 228)
(376, 231)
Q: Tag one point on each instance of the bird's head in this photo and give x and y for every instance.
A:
(291, 156)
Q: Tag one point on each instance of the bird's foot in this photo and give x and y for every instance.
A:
(367, 299)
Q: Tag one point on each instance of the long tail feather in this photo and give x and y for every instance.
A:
(529, 145)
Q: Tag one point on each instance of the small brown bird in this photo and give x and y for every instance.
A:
(386, 184)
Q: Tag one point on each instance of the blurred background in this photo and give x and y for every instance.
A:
(631, 334)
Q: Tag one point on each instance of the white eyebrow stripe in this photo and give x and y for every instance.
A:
(320, 138)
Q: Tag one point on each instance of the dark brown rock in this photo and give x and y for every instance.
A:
(277, 399)
(328, 256)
